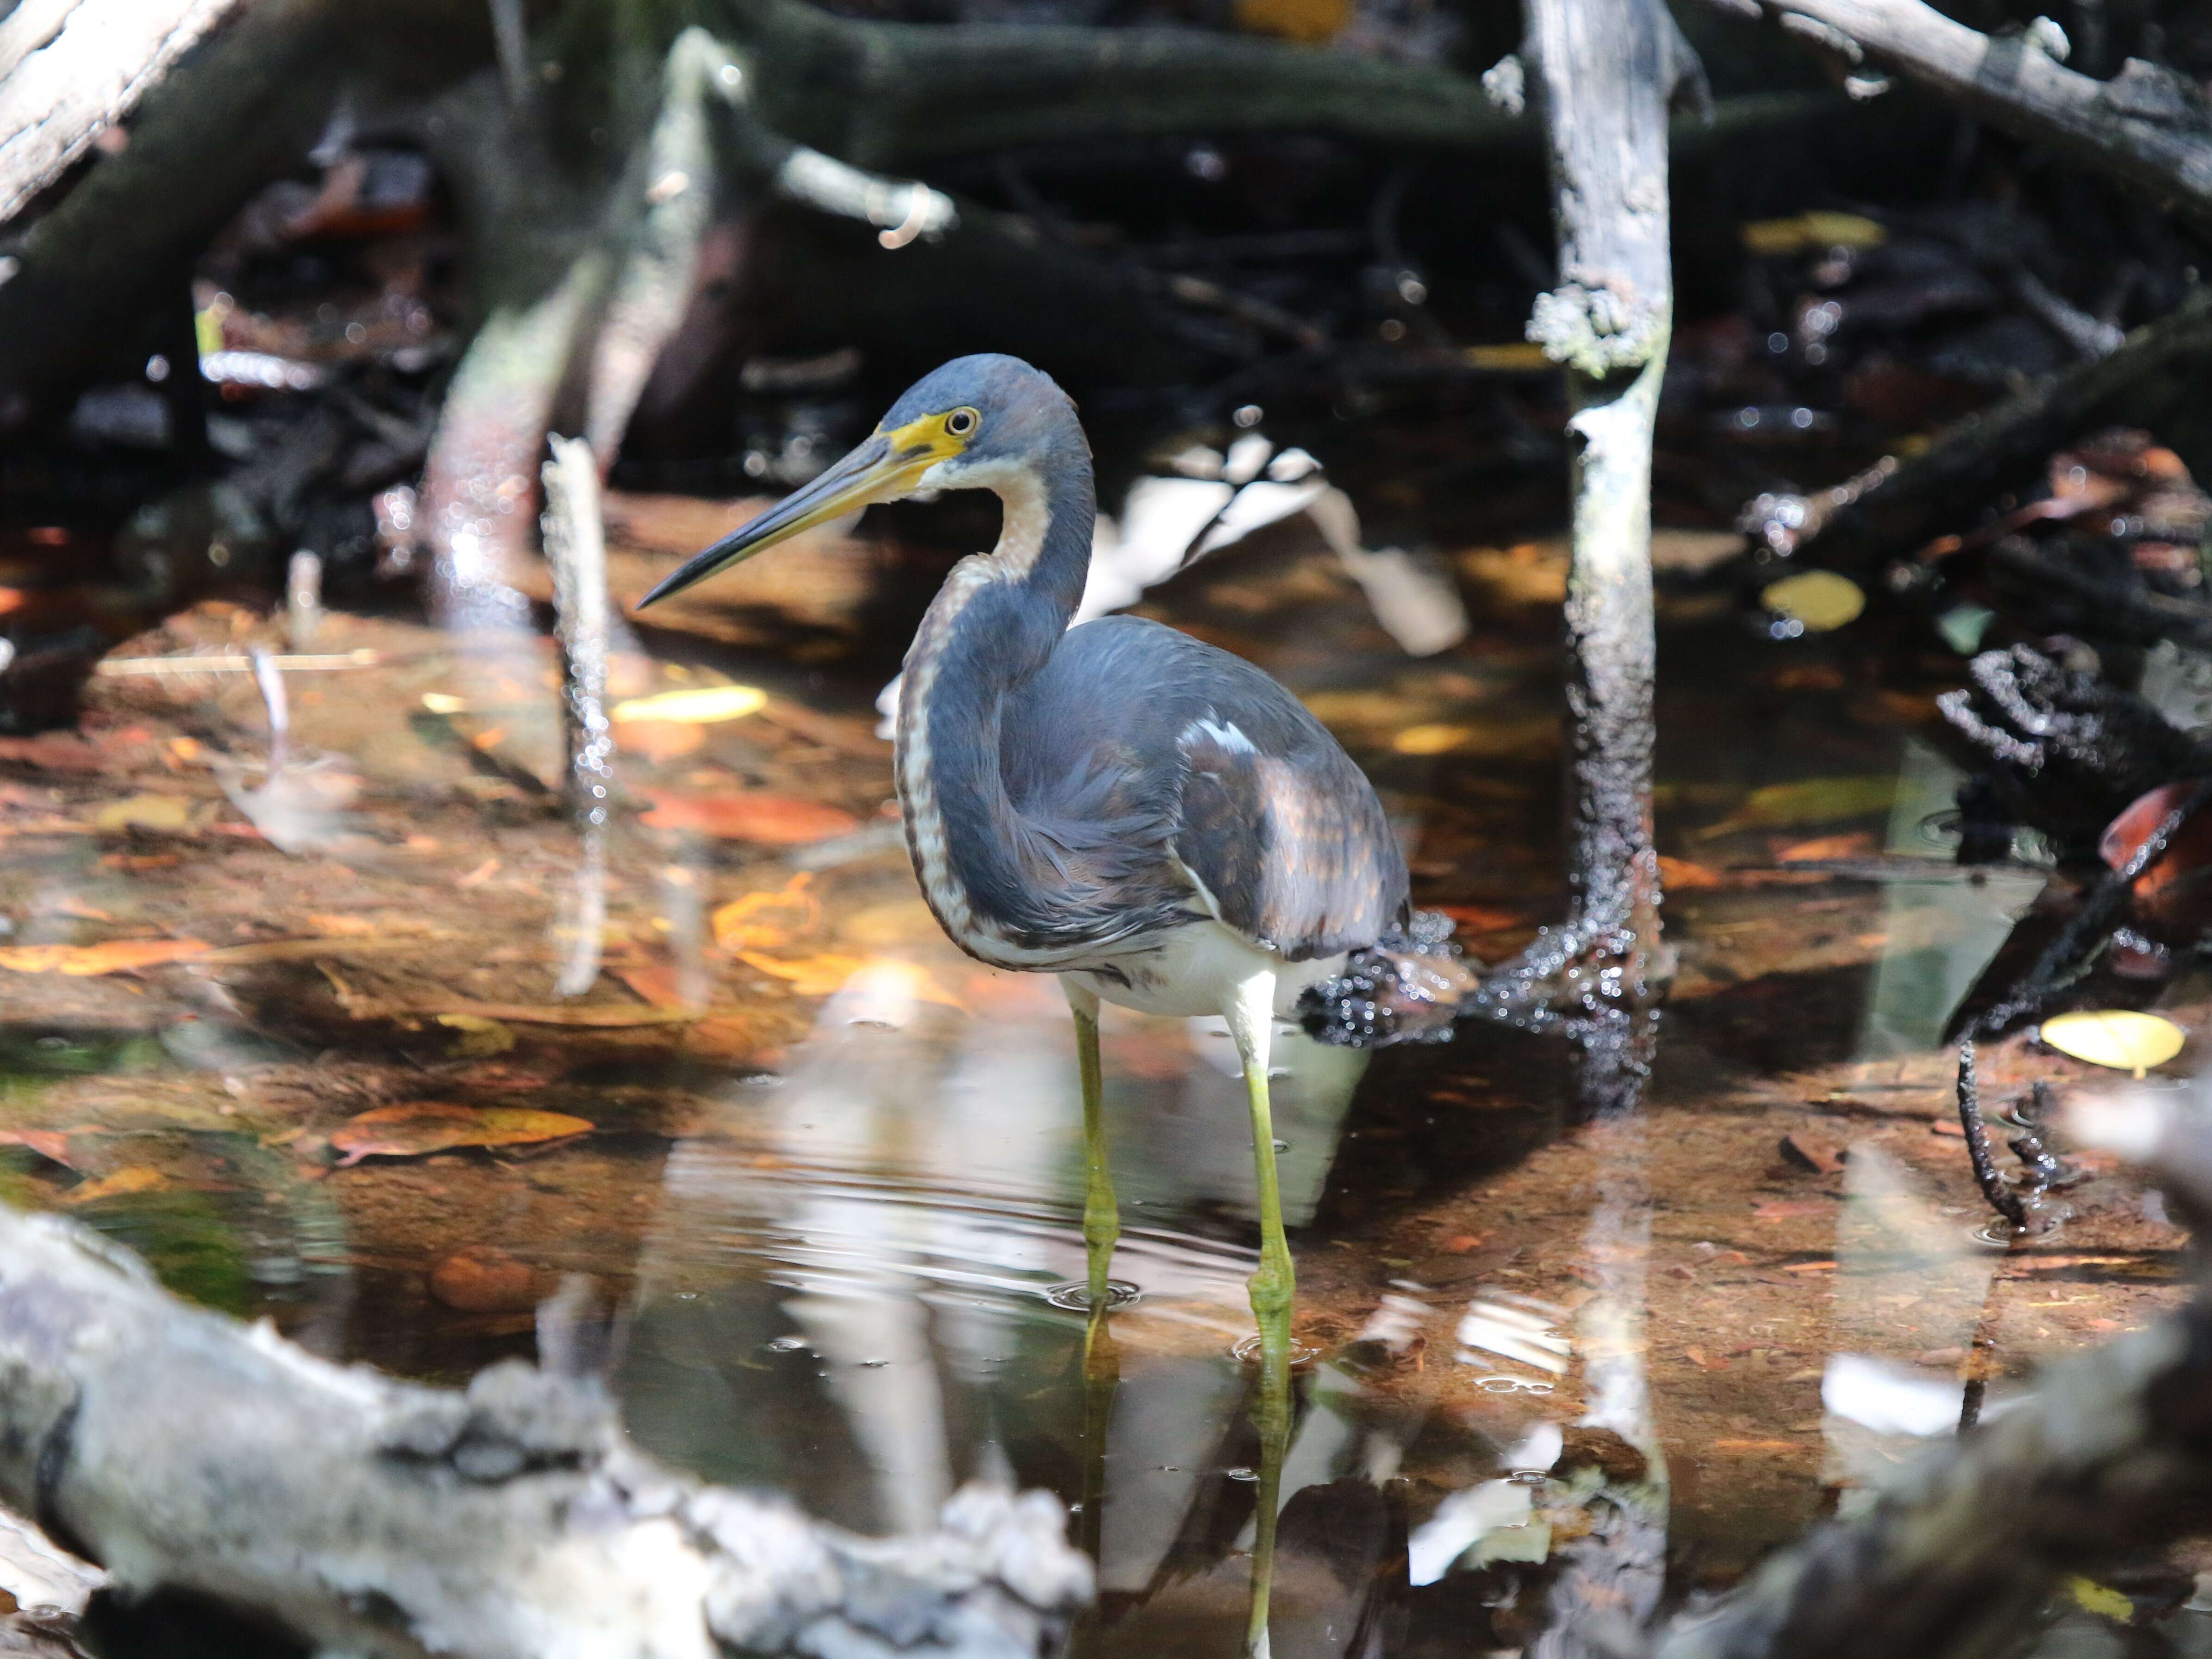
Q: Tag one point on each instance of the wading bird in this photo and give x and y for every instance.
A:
(1157, 822)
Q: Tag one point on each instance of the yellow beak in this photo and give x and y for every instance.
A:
(883, 469)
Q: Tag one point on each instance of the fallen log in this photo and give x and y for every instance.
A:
(185, 1451)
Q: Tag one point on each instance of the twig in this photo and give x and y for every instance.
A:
(575, 546)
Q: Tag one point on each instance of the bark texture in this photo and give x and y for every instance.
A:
(181, 1449)
(1603, 73)
(71, 69)
(2147, 125)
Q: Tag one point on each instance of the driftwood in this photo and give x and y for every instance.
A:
(186, 1452)
(1897, 507)
(2110, 1457)
(71, 69)
(2147, 125)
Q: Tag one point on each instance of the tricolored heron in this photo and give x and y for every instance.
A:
(1157, 822)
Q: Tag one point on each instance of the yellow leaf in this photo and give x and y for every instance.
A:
(436, 1126)
(771, 918)
(479, 1035)
(1816, 800)
(83, 960)
(697, 706)
(444, 702)
(144, 813)
(1512, 356)
(2117, 1037)
(1308, 20)
(809, 977)
(1811, 233)
(2099, 1599)
(1821, 599)
(135, 1178)
(1429, 739)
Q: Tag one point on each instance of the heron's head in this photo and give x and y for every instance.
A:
(982, 423)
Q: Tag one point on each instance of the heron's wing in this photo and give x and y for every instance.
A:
(1168, 760)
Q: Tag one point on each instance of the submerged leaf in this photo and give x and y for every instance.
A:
(775, 820)
(2118, 1038)
(1816, 800)
(479, 1035)
(770, 918)
(701, 705)
(658, 740)
(436, 1126)
(144, 813)
(133, 1178)
(1821, 599)
(114, 957)
(1429, 739)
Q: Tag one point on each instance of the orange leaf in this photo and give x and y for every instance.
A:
(1858, 844)
(114, 957)
(436, 1126)
(658, 740)
(134, 1178)
(1681, 875)
(775, 820)
(50, 1144)
(809, 977)
(769, 919)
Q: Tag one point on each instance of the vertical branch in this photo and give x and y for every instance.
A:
(575, 546)
(1603, 73)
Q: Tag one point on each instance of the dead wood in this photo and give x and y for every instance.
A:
(2147, 126)
(185, 1451)
(1897, 507)
(71, 69)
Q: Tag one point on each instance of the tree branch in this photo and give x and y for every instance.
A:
(184, 1451)
(2147, 125)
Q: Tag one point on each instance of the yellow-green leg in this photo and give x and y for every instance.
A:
(1102, 1216)
(1251, 1015)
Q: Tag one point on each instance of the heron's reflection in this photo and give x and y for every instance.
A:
(846, 1291)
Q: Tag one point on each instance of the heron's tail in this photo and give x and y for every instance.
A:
(1408, 986)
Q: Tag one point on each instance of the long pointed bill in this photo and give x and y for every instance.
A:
(882, 469)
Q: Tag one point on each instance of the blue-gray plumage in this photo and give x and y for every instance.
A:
(1155, 820)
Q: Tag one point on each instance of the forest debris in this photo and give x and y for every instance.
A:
(121, 1183)
(699, 705)
(1820, 600)
(1814, 800)
(480, 1034)
(85, 960)
(422, 1127)
(389, 1517)
(612, 1017)
(483, 1279)
(1813, 1152)
(2121, 1038)
(755, 815)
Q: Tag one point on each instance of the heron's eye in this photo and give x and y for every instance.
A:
(962, 422)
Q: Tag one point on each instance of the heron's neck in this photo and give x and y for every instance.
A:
(995, 623)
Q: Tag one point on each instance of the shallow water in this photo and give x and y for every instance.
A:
(834, 1171)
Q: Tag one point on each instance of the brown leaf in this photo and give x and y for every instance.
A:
(483, 1279)
(50, 1144)
(768, 920)
(1683, 875)
(53, 751)
(1858, 844)
(602, 1016)
(133, 1178)
(1813, 1152)
(658, 740)
(1786, 1209)
(114, 957)
(436, 1126)
(773, 820)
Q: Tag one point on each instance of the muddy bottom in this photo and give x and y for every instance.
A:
(802, 1180)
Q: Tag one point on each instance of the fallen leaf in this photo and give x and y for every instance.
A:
(656, 983)
(1484, 917)
(614, 1017)
(54, 751)
(51, 1145)
(809, 977)
(1816, 800)
(1785, 1209)
(2118, 1038)
(658, 740)
(1431, 739)
(1811, 233)
(480, 1035)
(1819, 601)
(770, 918)
(144, 813)
(436, 1126)
(1949, 1127)
(1681, 876)
(476, 877)
(1808, 1267)
(1813, 1152)
(483, 1279)
(1308, 22)
(1508, 357)
(2099, 1599)
(1858, 844)
(133, 1178)
(114, 957)
(1753, 1445)
(1703, 1361)
(702, 705)
(773, 820)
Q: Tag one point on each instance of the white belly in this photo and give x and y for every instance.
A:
(1197, 970)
